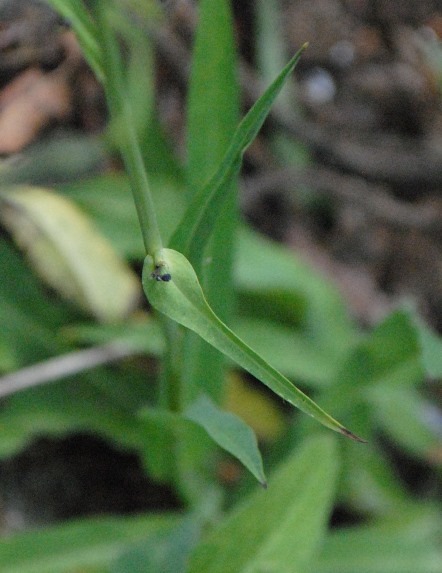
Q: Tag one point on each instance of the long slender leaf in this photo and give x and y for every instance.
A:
(83, 545)
(203, 211)
(212, 116)
(278, 530)
(172, 287)
(84, 27)
(212, 108)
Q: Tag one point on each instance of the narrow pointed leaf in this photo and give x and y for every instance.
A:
(86, 544)
(279, 530)
(203, 211)
(213, 98)
(212, 117)
(172, 287)
(229, 432)
(75, 12)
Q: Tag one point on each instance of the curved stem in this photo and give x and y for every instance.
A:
(121, 112)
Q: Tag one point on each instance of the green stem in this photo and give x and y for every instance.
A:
(171, 383)
(187, 479)
(121, 112)
(171, 389)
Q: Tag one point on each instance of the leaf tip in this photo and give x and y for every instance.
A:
(352, 436)
(305, 45)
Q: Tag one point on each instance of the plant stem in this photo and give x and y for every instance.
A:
(121, 112)
(171, 389)
(171, 396)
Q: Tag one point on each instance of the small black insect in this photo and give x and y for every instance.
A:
(166, 277)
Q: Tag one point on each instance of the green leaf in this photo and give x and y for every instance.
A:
(143, 333)
(393, 352)
(139, 72)
(271, 46)
(29, 317)
(206, 205)
(405, 543)
(85, 29)
(68, 253)
(100, 401)
(431, 352)
(431, 347)
(412, 421)
(277, 530)
(388, 357)
(84, 545)
(212, 109)
(116, 216)
(122, 113)
(212, 116)
(266, 267)
(164, 551)
(171, 441)
(229, 432)
(182, 299)
(159, 157)
(161, 428)
(296, 355)
(55, 159)
(370, 483)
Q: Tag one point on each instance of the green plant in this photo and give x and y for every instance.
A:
(306, 334)
(169, 280)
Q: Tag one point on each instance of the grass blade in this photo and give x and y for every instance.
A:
(212, 117)
(194, 229)
(75, 12)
